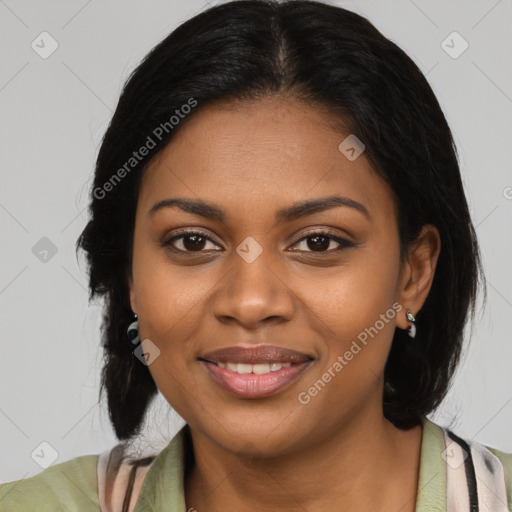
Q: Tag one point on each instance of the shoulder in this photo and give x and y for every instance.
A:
(120, 478)
(70, 486)
(477, 474)
(108, 482)
(506, 461)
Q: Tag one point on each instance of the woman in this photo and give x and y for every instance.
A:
(280, 231)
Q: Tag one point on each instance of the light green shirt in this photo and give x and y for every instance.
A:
(73, 486)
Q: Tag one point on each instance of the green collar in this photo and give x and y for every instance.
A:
(163, 486)
(431, 495)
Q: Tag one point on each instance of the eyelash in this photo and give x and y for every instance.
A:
(343, 243)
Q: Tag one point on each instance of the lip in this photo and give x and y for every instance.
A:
(255, 355)
(251, 385)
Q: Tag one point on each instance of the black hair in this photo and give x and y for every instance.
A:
(335, 60)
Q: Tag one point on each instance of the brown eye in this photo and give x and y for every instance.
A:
(320, 241)
(190, 241)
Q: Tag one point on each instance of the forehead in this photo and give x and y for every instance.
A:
(261, 154)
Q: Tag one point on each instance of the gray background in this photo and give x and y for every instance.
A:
(53, 114)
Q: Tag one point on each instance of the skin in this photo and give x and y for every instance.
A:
(337, 452)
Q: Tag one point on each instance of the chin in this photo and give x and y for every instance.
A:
(257, 434)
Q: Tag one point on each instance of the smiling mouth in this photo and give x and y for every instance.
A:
(257, 371)
(259, 380)
(247, 384)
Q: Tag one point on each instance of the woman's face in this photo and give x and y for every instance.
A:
(254, 279)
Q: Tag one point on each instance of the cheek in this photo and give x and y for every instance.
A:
(357, 294)
(169, 297)
(171, 309)
(358, 322)
(358, 312)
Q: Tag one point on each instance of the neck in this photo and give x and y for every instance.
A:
(367, 465)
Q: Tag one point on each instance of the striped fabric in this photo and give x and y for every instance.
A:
(475, 479)
(120, 479)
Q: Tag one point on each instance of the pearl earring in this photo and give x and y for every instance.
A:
(133, 331)
(412, 329)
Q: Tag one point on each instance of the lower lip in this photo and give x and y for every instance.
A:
(251, 385)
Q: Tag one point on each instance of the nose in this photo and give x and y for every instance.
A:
(254, 293)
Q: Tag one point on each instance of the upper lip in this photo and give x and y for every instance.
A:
(255, 355)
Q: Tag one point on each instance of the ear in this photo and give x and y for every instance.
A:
(418, 272)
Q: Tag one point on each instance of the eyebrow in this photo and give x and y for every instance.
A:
(288, 214)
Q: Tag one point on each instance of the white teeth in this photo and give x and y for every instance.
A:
(258, 369)
(277, 366)
(244, 368)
